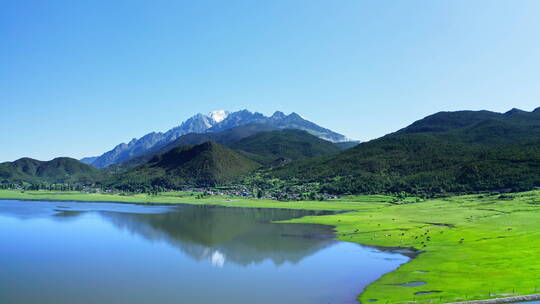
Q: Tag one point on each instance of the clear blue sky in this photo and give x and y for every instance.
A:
(78, 77)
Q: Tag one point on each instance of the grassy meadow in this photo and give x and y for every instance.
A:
(473, 246)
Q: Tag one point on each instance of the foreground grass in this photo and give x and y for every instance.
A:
(474, 247)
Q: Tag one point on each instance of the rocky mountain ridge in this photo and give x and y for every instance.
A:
(215, 121)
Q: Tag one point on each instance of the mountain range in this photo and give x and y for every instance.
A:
(462, 151)
(202, 162)
(216, 121)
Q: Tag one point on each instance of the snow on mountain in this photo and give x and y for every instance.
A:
(218, 115)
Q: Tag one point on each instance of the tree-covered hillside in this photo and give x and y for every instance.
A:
(58, 170)
(284, 146)
(207, 164)
(259, 142)
(448, 151)
(226, 138)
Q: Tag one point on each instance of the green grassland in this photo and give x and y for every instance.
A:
(180, 197)
(473, 247)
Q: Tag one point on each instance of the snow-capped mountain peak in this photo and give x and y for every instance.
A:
(218, 115)
(215, 121)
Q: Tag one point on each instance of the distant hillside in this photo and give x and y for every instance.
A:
(448, 151)
(344, 145)
(216, 121)
(447, 121)
(88, 160)
(58, 170)
(259, 142)
(207, 164)
(284, 145)
(226, 138)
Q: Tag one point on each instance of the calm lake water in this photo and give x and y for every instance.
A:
(72, 252)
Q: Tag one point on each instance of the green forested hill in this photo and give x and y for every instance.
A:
(448, 151)
(226, 138)
(259, 142)
(207, 164)
(344, 145)
(58, 170)
(210, 163)
(448, 121)
(285, 145)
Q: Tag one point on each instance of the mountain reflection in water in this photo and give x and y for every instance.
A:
(93, 253)
(228, 235)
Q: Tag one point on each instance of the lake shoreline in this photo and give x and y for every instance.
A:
(409, 252)
(193, 244)
(377, 221)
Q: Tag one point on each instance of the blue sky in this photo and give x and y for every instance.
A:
(78, 77)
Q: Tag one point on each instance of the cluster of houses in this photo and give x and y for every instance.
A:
(296, 194)
(289, 194)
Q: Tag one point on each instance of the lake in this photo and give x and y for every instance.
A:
(74, 252)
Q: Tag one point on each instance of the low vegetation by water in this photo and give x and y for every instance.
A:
(472, 247)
